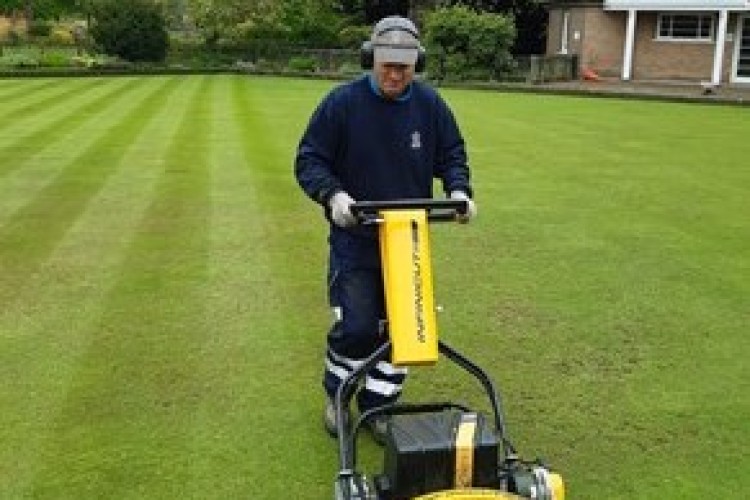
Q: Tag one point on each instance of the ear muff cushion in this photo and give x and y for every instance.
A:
(421, 60)
(367, 55)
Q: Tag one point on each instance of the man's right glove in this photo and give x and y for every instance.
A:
(471, 207)
(341, 212)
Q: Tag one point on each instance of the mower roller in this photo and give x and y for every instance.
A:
(434, 450)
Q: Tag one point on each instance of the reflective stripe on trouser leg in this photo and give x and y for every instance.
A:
(356, 298)
(382, 386)
(337, 368)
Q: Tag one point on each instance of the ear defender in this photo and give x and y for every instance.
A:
(367, 53)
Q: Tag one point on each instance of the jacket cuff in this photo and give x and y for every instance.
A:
(324, 195)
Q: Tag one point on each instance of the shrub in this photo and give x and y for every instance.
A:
(134, 30)
(353, 36)
(55, 59)
(39, 29)
(349, 69)
(17, 36)
(19, 60)
(303, 64)
(268, 65)
(468, 44)
(61, 36)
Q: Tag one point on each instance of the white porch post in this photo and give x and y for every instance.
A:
(721, 34)
(627, 56)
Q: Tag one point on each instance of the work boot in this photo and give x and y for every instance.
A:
(378, 427)
(329, 418)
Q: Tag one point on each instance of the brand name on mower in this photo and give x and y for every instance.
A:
(417, 280)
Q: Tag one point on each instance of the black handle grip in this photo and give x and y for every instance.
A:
(437, 210)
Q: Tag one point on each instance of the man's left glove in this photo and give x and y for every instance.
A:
(471, 207)
(341, 212)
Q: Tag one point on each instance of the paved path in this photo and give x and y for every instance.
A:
(688, 91)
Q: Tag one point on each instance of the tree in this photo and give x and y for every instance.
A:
(134, 30)
(37, 9)
(468, 44)
(217, 19)
(377, 9)
(530, 17)
(312, 22)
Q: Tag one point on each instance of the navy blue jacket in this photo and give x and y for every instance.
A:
(377, 149)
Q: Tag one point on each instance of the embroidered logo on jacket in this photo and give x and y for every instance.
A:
(416, 140)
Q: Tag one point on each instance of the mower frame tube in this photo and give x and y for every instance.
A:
(509, 450)
(347, 439)
(343, 394)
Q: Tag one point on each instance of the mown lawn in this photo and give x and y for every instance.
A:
(162, 311)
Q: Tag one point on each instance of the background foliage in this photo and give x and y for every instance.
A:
(475, 38)
(134, 30)
(469, 44)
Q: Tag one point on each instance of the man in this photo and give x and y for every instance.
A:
(381, 137)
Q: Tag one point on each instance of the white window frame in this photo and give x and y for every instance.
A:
(735, 78)
(564, 32)
(701, 16)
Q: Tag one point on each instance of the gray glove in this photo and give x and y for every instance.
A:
(471, 207)
(341, 212)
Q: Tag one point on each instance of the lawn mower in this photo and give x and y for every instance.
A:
(434, 450)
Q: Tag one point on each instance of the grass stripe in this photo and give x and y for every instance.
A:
(245, 338)
(32, 175)
(33, 231)
(148, 344)
(13, 89)
(56, 314)
(52, 97)
(236, 266)
(77, 112)
(287, 303)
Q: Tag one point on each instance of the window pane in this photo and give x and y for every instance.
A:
(686, 26)
(665, 25)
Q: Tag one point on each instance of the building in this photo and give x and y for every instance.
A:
(692, 40)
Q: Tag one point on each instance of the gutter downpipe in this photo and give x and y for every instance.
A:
(627, 56)
(719, 51)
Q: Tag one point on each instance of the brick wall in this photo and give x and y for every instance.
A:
(601, 38)
(602, 46)
(594, 35)
(654, 59)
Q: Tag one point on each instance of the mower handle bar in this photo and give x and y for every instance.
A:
(437, 210)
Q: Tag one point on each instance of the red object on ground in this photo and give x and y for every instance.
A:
(590, 74)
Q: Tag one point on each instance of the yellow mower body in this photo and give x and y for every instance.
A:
(407, 279)
(470, 494)
(556, 483)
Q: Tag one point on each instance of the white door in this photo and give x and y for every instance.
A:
(741, 61)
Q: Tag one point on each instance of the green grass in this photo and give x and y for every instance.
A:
(162, 311)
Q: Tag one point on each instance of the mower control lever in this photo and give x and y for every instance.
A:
(444, 210)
